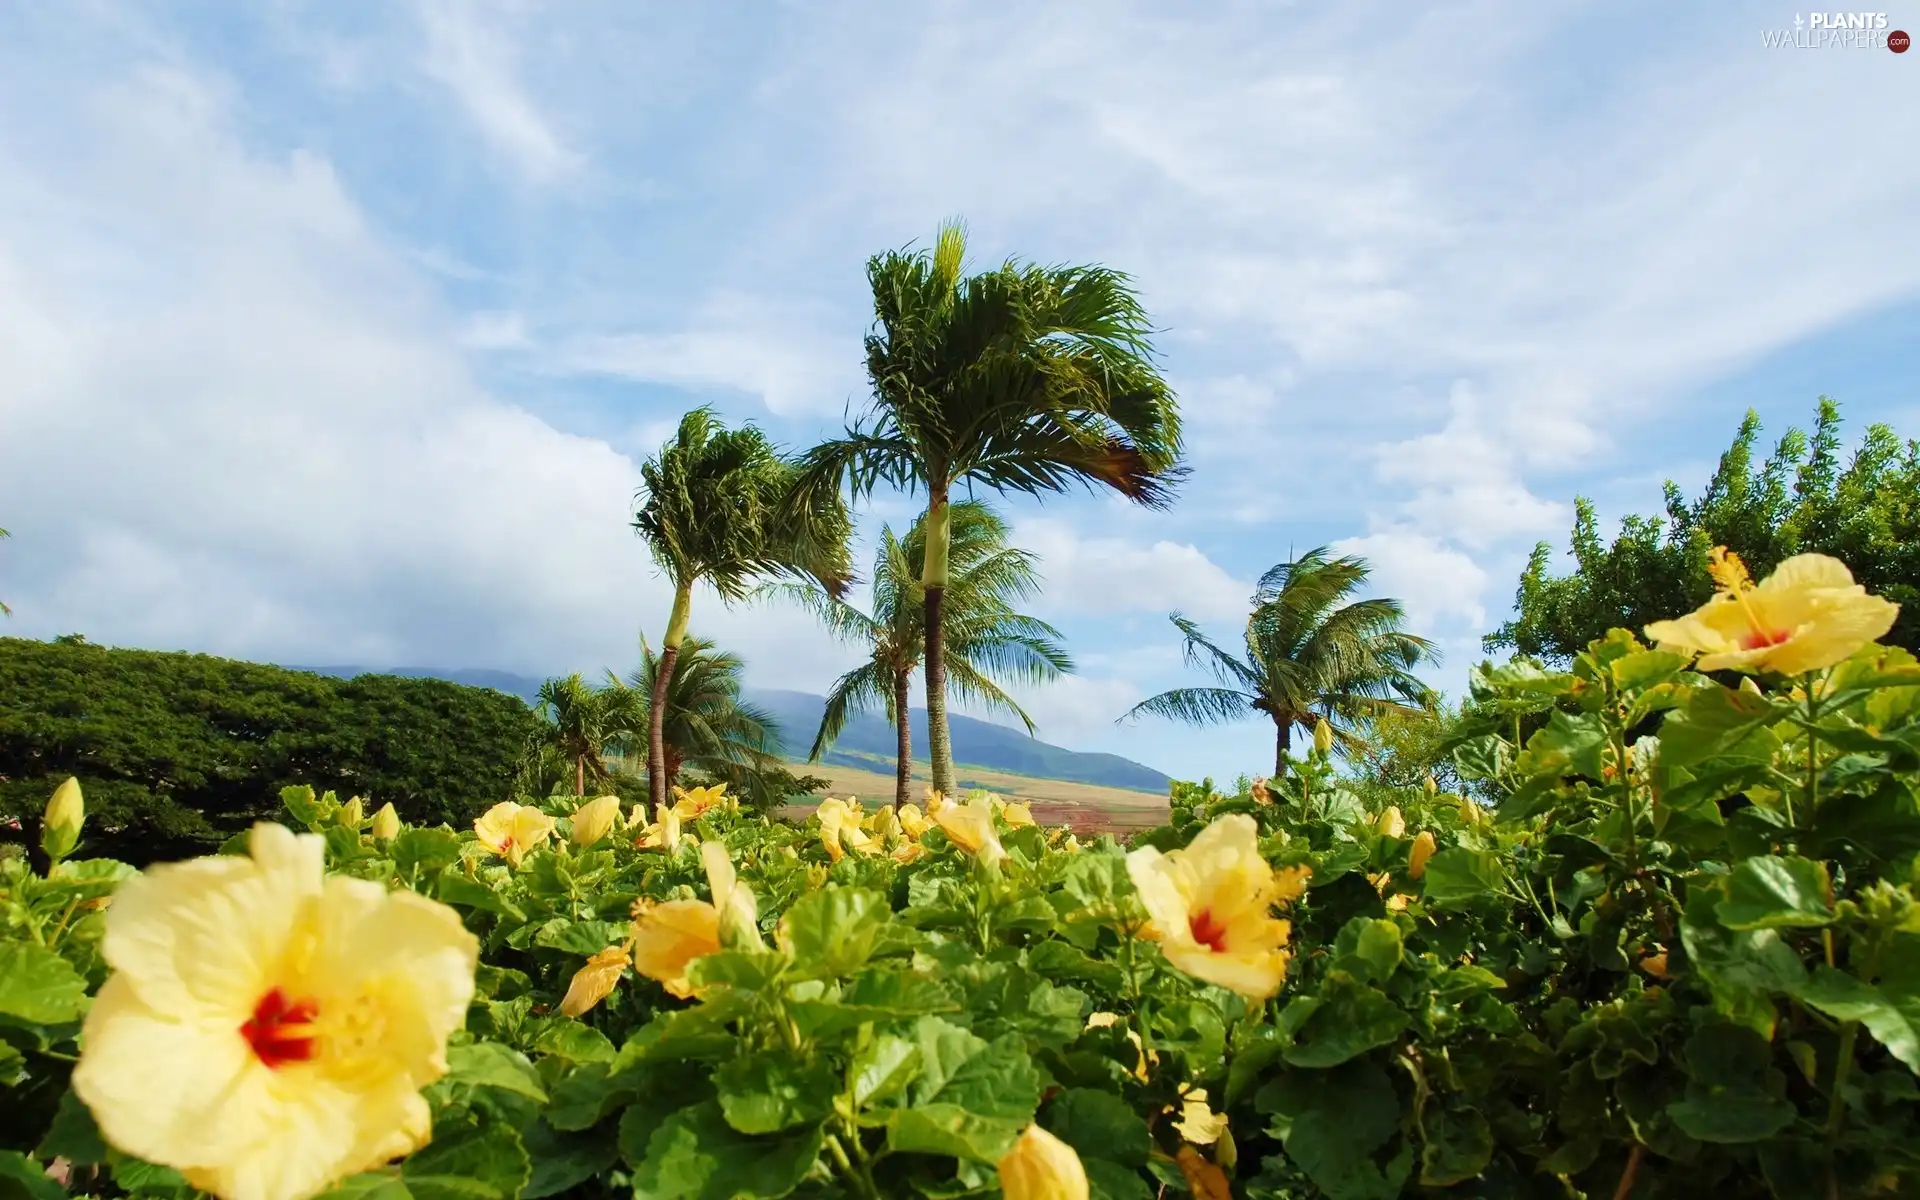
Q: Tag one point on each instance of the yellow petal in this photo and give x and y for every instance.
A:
(1423, 848)
(970, 827)
(1042, 1167)
(595, 820)
(1198, 1122)
(595, 981)
(668, 937)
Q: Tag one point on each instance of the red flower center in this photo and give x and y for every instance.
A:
(281, 1030)
(1757, 638)
(1208, 931)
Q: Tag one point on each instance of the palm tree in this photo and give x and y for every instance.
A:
(985, 637)
(1309, 655)
(717, 505)
(707, 726)
(1023, 378)
(579, 723)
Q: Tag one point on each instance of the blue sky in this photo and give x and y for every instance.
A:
(335, 331)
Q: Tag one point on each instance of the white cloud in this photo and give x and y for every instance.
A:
(491, 331)
(1094, 575)
(477, 62)
(246, 427)
(787, 356)
(1439, 586)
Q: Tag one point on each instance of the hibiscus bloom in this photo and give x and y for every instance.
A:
(1807, 615)
(512, 830)
(267, 1028)
(1211, 905)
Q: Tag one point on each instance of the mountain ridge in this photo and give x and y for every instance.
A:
(866, 737)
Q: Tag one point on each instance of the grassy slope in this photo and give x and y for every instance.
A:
(1055, 801)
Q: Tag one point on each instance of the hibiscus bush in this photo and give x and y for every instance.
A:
(1664, 941)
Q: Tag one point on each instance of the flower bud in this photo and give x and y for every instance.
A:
(386, 823)
(1322, 736)
(595, 819)
(1748, 686)
(350, 814)
(1433, 787)
(1042, 1167)
(1391, 823)
(60, 828)
(1423, 848)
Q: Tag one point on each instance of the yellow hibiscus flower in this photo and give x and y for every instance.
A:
(1198, 1122)
(693, 801)
(667, 938)
(267, 1028)
(970, 826)
(1807, 615)
(663, 834)
(840, 827)
(595, 982)
(1042, 1167)
(1210, 904)
(1018, 815)
(511, 830)
(1423, 848)
(595, 820)
(913, 822)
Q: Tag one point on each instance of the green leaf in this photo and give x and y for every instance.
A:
(1109, 1180)
(883, 1067)
(563, 1037)
(1757, 960)
(1332, 1123)
(1893, 1020)
(564, 1161)
(468, 1163)
(1369, 949)
(370, 1185)
(425, 850)
(1099, 1125)
(38, 986)
(1777, 893)
(971, 1098)
(300, 802)
(23, 1179)
(751, 970)
(1459, 1144)
(72, 1135)
(138, 1175)
(492, 1065)
(833, 932)
(584, 938)
(1348, 1019)
(1714, 722)
(695, 1155)
(1459, 874)
(1569, 745)
(1733, 1093)
(774, 1090)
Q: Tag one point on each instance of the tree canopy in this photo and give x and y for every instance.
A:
(1801, 499)
(177, 752)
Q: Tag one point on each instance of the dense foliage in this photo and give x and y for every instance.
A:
(178, 751)
(1800, 500)
(1679, 953)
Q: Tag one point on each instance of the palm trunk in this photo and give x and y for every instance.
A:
(1283, 740)
(934, 579)
(658, 770)
(903, 749)
(580, 775)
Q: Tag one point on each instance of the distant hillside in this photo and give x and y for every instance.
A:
(867, 737)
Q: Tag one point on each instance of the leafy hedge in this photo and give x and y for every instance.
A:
(1672, 950)
(176, 752)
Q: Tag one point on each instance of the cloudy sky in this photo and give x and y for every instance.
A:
(334, 332)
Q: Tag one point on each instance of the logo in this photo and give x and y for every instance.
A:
(1837, 31)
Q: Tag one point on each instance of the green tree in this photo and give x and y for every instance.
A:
(719, 505)
(1800, 500)
(1311, 652)
(579, 721)
(986, 639)
(1024, 378)
(708, 726)
(177, 752)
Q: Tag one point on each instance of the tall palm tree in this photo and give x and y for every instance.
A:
(579, 723)
(1310, 654)
(986, 639)
(707, 726)
(718, 505)
(1024, 378)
